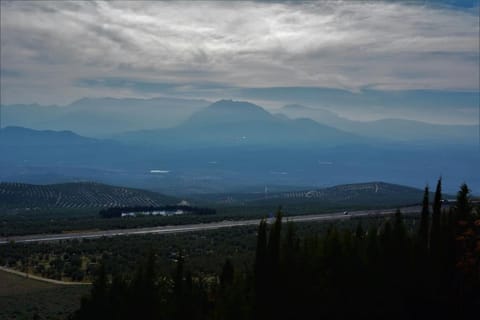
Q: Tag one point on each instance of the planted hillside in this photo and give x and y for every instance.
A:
(77, 195)
(370, 194)
(373, 193)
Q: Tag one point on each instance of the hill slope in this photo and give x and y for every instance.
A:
(357, 194)
(76, 195)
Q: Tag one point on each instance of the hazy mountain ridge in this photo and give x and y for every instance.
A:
(211, 152)
(102, 117)
(15, 136)
(106, 117)
(388, 129)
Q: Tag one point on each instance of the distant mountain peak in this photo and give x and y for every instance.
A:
(235, 105)
(296, 107)
(229, 111)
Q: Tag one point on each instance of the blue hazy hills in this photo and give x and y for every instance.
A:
(228, 146)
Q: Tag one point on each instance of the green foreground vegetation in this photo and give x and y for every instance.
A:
(401, 267)
(204, 251)
(391, 272)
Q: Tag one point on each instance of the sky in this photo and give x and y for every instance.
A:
(269, 52)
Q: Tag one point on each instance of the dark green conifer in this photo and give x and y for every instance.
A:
(424, 218)
(399, 231)
(464, 206)
(226, 277)
(260, 272)
(273, 246)
(261, 251)
(436, 217)
(359, 233)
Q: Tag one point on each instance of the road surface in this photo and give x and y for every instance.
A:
(198, 227)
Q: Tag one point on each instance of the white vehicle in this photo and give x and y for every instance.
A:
(345, 213)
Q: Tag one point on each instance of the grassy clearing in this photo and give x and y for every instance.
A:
(22, 298)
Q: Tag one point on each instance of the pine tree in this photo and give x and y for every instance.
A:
(464, 206)
(359, 233)
(273, 267)
(424, 218)
(100, 285)
(226, 277)
(149, 290)
(372, 250)
(436, 216)
(399, 231)
(273, 246)
(96, 306)
(178, 278)
(260, 272)
(290, 247)
(261, 251)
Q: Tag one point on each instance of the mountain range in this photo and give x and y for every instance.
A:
(102, 117)
(230, 145)
(232, 123)
(388, 129)
(109, 117)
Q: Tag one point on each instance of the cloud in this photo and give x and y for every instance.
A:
(346, 45)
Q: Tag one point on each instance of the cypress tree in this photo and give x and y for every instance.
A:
(399, 234)
(436, 216)
(359, 233)
(273, 266)
(149, 292)
(261, 251)
(99, 286)
(273, 247)
(260, 272)
(97, 306)
(290, 247)
(226, 277)
(290, 238)
(424, 218)
(372, 250)
(463, 202)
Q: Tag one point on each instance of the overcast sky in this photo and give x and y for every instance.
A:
(56, 52)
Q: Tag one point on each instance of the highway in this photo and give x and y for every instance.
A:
(199, 227)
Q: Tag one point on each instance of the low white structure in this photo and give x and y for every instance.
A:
(162, 213)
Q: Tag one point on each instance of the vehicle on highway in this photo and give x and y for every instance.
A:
(345, 213)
